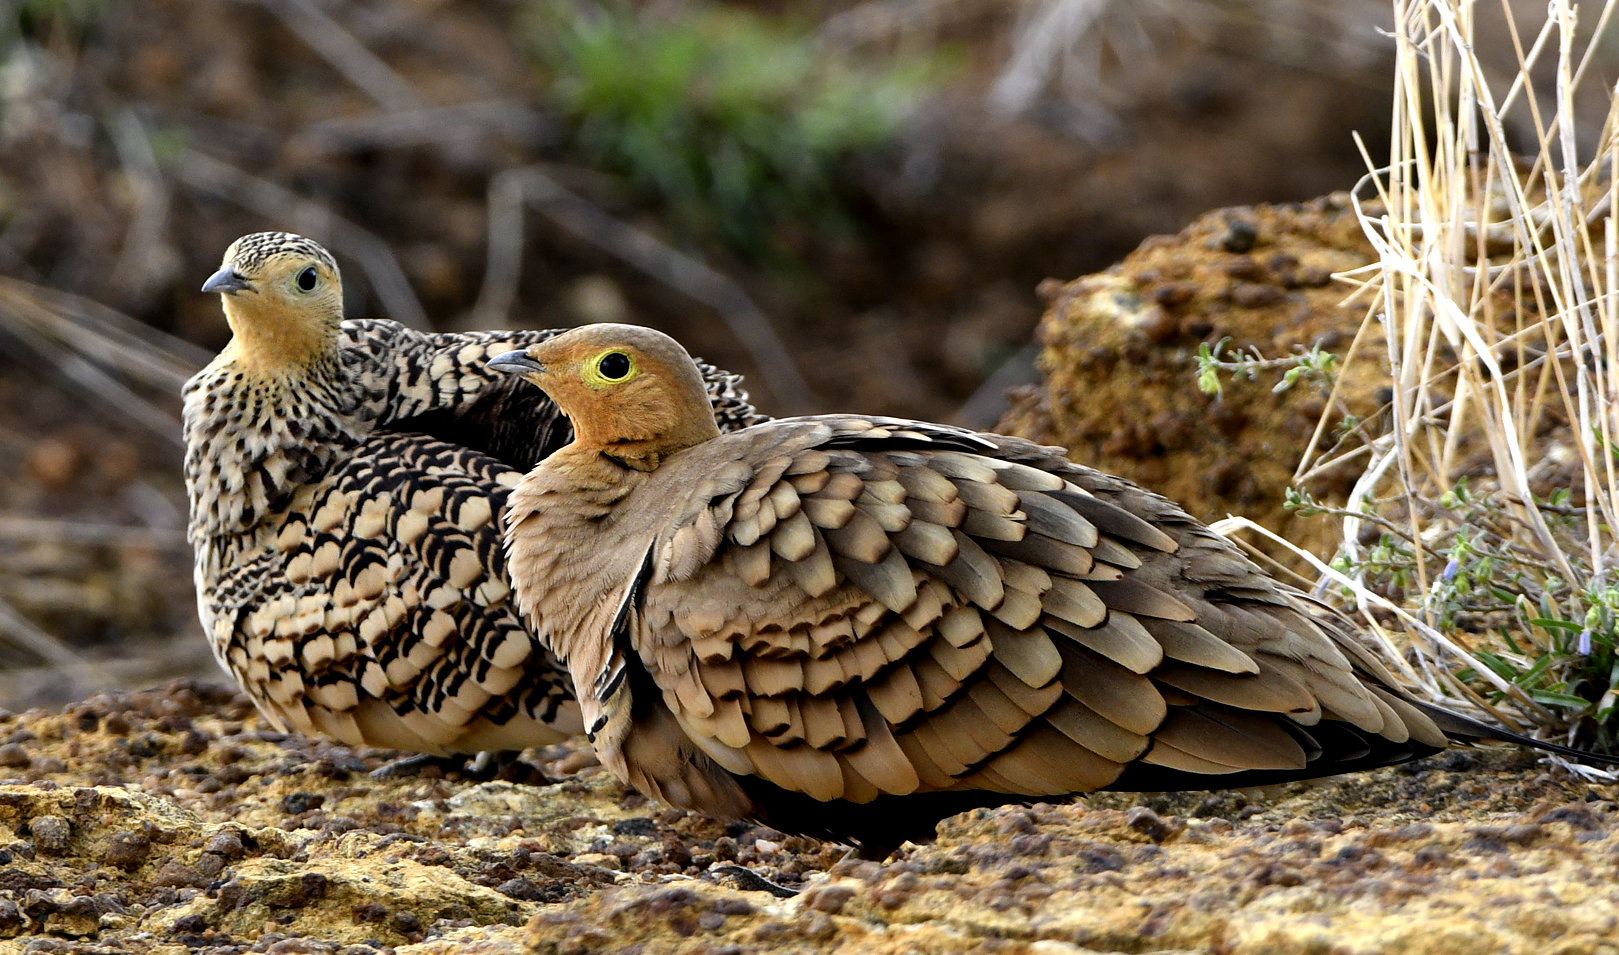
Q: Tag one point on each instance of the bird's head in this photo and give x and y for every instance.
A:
(631, 391)
(283, 297)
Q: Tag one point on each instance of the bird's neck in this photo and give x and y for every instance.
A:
(643, 435)
(267, 342)
(255, 433)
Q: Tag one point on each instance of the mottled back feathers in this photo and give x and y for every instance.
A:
(854, 626)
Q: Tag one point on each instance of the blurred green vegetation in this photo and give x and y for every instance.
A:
(734, 122)
(39, 20)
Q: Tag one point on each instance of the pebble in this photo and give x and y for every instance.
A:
(51, 834)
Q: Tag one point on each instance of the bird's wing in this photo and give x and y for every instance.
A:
(381, 611)
(851, 607)
(441, 385)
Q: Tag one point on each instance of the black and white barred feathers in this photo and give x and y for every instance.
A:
(347, 481)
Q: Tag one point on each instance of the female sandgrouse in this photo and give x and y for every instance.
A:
(853, 627)
(346, 481)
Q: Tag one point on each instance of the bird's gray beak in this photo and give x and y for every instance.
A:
(516, 363)
(226, 281)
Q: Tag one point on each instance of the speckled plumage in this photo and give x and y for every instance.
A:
(346, 482)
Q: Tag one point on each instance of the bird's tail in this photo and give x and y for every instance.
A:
(1466, 730)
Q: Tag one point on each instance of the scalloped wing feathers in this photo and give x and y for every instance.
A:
(859, 608)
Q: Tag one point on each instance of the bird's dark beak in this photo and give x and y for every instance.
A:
(516, 363)
(226, 281)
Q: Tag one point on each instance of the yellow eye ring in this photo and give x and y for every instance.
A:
(612, 367)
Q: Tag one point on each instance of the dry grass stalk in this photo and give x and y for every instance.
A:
(1495, 292)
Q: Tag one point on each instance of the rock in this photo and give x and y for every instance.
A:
(179, 875)
(51, 834)
(127, 850)
(348, 902)
(1120, 348)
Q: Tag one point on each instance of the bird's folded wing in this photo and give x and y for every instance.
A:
(864, 606)
(381, 611)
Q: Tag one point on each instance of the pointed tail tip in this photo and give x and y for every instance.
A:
(1464, 729)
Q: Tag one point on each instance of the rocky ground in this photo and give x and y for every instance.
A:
(174, 821)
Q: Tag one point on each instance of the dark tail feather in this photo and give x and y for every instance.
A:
(1465, 730)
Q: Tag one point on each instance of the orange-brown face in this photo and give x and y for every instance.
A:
(620, 384)
(283, 297)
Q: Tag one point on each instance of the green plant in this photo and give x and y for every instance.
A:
(1316, 366)
(736, 123)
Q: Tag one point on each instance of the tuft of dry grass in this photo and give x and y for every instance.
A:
(1479, 540)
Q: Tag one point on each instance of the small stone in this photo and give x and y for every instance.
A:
(11, 919)
(45, 765)
(527, 890)
(601, 859)
(190, 925)
(146, 745)
(210, 865)
(299, 803)
(227, 843)
(733, 906)
(1244, 267)
(1150, 824)
(51, 834)
(1171, 294)
(1240, 236)
(12, 754)
(636, 826)
(1157, 324)
(1314, 276)
(1254, 295)
(179, 875)
(819, 928)
(828, 898)
(128, 850)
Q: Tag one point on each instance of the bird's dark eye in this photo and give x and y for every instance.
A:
(614, 366)
(307, 279)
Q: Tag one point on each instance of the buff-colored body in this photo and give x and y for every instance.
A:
(854, 626)
(347, 481)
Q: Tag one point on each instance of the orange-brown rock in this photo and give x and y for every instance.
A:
(1120, 348)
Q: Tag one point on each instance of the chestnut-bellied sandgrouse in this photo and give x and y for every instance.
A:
(853, 627)
(347, 481)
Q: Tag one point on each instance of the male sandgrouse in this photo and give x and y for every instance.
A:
(853, 627)
(346, 481)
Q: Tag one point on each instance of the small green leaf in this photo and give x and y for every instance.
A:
(1559, 699)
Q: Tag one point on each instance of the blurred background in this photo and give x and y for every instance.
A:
(851, 201)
